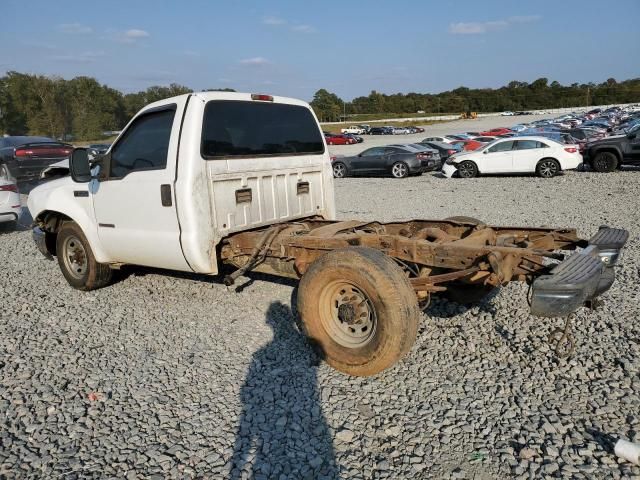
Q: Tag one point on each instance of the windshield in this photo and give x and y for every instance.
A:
(234, 128)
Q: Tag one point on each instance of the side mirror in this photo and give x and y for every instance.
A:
(631, 136)
(79, 167)
(485, 151)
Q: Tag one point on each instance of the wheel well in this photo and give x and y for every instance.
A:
(50, 222)
(550, 158)
(607, 150)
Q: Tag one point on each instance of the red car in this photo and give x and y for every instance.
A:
(337, 139)
(494, 132)
(468, 145)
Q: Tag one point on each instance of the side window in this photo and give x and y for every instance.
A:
(501, 147)
(144, 145)
(542, 145)
(373, 152)
(393, 151)
(526, 144)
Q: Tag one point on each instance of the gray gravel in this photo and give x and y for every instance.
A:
(176, 376)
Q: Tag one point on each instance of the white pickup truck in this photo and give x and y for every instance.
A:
(353, 130)
(245, 180)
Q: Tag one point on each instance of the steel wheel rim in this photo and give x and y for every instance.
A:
(465, 170)
(602, 164)
(74, 256)
(548, 169)
(347, 314)
(399, 170)
(338, 171)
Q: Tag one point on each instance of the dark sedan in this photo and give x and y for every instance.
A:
(26, 157)
(399, 161)
(381, 131)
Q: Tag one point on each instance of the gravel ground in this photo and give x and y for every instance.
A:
(175, 376)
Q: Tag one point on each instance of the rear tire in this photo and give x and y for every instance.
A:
(547, 168)
(339, 170)
(604, 162)
(400, 170)
(359, 308)
(76, 260)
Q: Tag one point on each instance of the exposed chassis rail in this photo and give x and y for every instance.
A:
(445, 254)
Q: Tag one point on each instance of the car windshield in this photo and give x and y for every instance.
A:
(234, 128)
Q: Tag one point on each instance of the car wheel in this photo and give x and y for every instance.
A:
(547, 168)
(76, 260)
(604, 162)
(399, 170)
(467, 169)
(359, 309)
(339, 170)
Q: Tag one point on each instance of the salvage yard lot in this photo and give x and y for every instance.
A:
(180, 376)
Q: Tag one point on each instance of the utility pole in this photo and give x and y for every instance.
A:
(588, 88)
(344, 110)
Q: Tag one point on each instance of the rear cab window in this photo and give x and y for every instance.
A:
(241, 129)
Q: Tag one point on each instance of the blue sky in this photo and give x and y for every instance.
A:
(293, 48)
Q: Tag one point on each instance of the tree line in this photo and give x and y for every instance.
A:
(83, 109)
(516, 95)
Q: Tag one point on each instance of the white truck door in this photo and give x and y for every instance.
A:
(134, 201)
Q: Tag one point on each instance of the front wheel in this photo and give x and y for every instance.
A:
(399, 170)
(339, 170)
(76, 260)
(359, 308)
(604, 162)
(547, 168)
(467, 169)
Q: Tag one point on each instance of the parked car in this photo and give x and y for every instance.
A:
(381, 131)
(27, 156)
(400, 131)
(399, 161)
(494, 132)
(354, 130)
(10, 209)
(484, 139)
(339, 139)
(355, 137)
(534, 154)
(468, 145)
(365, 127)
(445, 149)
(440, 139)
(507, 114)
(607, 154)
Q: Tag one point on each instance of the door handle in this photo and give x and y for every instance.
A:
(165, 195)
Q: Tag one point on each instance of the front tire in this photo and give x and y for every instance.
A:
(359, 308)
(400, 170)
(604, 162)
(467, 169)
(547, 168)
(76, 260)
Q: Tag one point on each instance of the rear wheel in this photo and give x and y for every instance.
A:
(339, 170)
(399, 170)
(604, 162)
(547, 168)
(358, 306)
(76, 260)
(467, 169)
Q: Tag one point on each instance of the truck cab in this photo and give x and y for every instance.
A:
(187, 172)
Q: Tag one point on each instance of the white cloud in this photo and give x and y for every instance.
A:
(132, 35)
(303, 29)
(254, 61)
(274, 21)
(74, 28)
(474, 28)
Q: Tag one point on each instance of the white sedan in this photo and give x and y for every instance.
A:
(527, 154)
(10, 208)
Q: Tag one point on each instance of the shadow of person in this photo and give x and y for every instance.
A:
(282, 432)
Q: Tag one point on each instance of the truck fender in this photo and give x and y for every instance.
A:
(606, 148)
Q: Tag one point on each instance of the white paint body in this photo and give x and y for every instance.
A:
(125, 221)
(515, 161)
(353, 130)
(10, 209)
